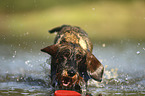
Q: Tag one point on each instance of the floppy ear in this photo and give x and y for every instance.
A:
(52, 50)
(94, 68)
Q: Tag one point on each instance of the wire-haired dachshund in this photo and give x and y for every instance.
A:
(72, 60)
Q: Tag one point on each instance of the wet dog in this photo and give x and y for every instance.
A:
(72, 61)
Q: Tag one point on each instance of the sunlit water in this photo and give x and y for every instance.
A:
(26, 71)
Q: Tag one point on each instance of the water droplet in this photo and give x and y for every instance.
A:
(126, 78)
(112, 70)
(103, 45)
(106, 66)
(28, 62)
(138, 44)
(139, 86)
(17, 79)
(138, 52)
(93, 9)
(14, 54)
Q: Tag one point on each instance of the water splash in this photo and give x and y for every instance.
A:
(14, 54)
(46, 70)
(28, 62)
(138, 52)
(46, 67)
(108, 74)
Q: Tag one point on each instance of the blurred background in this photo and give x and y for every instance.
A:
(116, 28)
(101, 19)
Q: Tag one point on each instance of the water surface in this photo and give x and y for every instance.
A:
(24, 70)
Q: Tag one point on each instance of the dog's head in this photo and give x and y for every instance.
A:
(73, 63)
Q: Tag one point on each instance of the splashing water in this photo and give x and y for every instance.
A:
(108, 74)
(27, 72)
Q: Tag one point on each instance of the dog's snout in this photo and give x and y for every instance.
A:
(71, 73)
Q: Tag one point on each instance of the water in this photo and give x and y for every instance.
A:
(24, 70)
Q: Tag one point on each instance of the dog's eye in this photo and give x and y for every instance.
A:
(66, 54)
(78, 57)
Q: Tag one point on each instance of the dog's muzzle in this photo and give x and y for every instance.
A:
(68, 78)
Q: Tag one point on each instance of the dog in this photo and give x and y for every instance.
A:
(72, 61)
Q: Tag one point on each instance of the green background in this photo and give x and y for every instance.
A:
(106, 20)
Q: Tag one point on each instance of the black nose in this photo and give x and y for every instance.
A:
(71, 73)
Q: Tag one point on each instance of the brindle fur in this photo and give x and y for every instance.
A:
(72, 59)
(73, 35)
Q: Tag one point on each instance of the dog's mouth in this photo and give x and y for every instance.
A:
(67, 81)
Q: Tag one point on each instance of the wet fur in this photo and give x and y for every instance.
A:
(72, 60)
